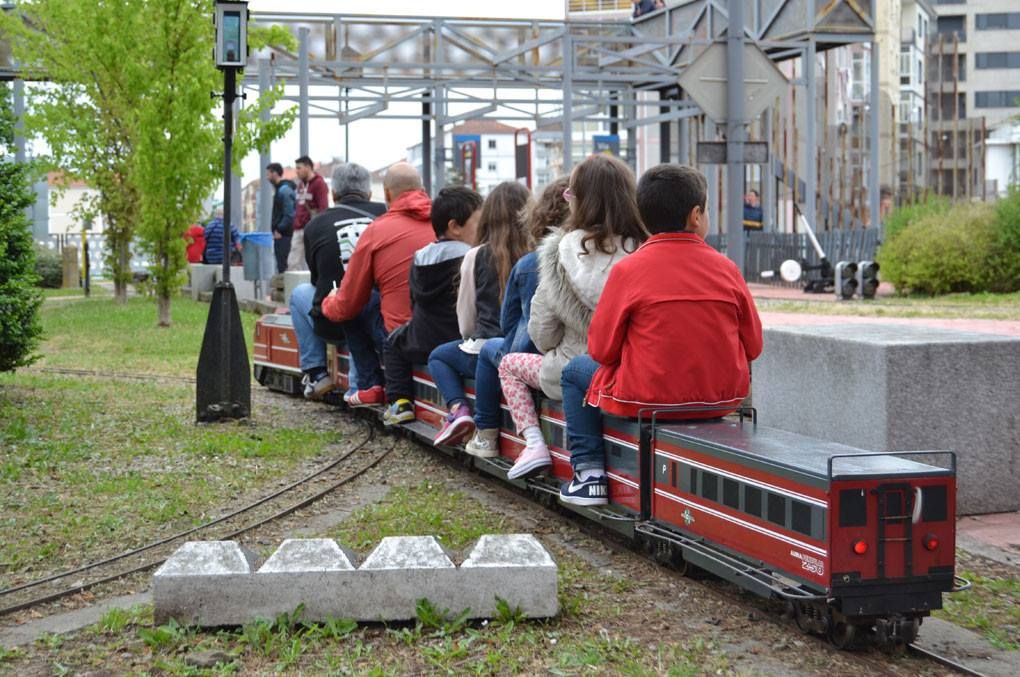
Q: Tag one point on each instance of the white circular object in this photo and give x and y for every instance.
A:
(790, 270)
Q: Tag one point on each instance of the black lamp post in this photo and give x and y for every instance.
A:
(223, 383)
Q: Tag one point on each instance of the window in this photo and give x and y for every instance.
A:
(752, 501)
(730, 493)
(710, 486)
(920, 71)
(492, 166)
(997, 22)
(777, 509)
(1000, 99)
(948, 25)
(904, 111)
(933, 504)
(924, 27)
(905, 66)
(492, 144)
(800, 517)
(853, 508)
(997, 60)
(858, 75)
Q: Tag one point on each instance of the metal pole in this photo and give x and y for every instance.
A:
(665, 142)
(303, 88)
(264, 208)
(768, 183)
(426, 143)
(684, 142)
(440, 153)
(811, 134)
(568, 103)
(735, 133)
(229, 95)
(874, 142)
(19, 121)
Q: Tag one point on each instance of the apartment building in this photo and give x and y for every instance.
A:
(974, 95)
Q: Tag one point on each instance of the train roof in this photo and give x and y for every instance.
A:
(786, 453)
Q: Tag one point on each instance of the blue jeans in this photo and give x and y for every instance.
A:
(449, 365)
(584, 423)
(312, 349)
(365, 337)
(487, 388)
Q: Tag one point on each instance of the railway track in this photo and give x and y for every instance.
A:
(110, 375)
(265, 510)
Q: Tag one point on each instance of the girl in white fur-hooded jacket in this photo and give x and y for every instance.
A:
(573, 264)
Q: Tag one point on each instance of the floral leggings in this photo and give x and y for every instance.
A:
(518, 372)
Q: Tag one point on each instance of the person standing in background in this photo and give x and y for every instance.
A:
(283, 213)
(312, 199)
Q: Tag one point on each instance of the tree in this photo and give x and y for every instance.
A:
(19, 299)
(179, 153)
(129, 113)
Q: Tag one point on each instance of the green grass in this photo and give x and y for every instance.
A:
(991, 607)
(99, 334)
(78, 292)
(951, 306)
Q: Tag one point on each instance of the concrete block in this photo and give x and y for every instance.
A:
(214, 585)
(203, 278)
(203, 583)
(291, 279)
(900, 388)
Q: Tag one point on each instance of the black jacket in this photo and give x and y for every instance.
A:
(284, 198)
(487, 303)
(323, 235)
(434, 279)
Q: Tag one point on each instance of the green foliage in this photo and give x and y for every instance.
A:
(440, 620)
(19, 300)
(49, 268)
(903, 216)
(1005, 259)
(939, 253)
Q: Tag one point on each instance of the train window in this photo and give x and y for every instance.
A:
(934, 504)
(731, 493)
(672, 475)
(710, 486)
(777, 509)
(800, 517)
(752, 501)
(693, 485)
(853, 508)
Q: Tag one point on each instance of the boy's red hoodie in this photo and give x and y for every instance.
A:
(675, 326)
(383, 258)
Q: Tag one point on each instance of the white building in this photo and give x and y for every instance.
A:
(1002, 157)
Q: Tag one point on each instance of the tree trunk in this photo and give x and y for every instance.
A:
(121, 273)
(163, 301)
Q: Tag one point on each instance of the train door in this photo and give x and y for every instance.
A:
(894, 540)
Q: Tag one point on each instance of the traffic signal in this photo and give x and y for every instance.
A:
(867, 279)
(846, 280)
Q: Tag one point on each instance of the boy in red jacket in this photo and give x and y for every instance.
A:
(675, 327)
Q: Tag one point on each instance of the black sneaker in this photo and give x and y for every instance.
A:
(594, 491)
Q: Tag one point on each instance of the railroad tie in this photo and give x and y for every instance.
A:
(213, 583)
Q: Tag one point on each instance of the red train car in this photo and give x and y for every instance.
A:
(855, 542)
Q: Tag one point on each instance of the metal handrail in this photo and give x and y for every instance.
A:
(952, 456)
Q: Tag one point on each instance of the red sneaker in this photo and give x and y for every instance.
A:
(374, 396)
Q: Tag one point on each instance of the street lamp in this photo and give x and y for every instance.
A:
(223, 389)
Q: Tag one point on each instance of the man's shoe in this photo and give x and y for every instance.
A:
(401, 411)
(306, 386)
(372, 397)
(531, 460)
(594, 491)
(484, 443)
(457, 425)
(316, 390)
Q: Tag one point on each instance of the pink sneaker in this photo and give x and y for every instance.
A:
(458, 424)
(532, 459)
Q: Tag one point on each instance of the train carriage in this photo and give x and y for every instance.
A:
(853, 541)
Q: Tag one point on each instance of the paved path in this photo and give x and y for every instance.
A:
(1000, 327)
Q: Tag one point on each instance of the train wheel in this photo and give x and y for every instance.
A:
(842, 635)
(803, 618)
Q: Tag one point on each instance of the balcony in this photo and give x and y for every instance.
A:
(615, 7)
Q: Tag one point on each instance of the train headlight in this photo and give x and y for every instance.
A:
(860, 547)
(931, 542)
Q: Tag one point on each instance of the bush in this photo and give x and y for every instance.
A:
(1005, 260)
(49, 268)
(939, 253)
(903, 216)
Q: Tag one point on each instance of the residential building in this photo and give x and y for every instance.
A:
(916, 25)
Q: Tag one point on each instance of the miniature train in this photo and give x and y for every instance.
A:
(859, 545)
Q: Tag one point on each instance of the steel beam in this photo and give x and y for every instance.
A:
(874, 145)
(568, 103)
(735, 135)
(264, 207)
(303, 33)
(811, 135)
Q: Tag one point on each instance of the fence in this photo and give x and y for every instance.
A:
(599, 5)
(765, 251)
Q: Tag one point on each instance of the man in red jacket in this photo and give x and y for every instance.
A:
(675, 327)
(381, 260)
(312, 199)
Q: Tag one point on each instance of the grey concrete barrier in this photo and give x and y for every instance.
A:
(213, 583)
(291, 279)
(900, 388)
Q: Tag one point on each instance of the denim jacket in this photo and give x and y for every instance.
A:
(516, 310)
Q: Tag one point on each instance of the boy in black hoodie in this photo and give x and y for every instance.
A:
(434, 283)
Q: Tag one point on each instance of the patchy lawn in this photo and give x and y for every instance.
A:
(992, 606)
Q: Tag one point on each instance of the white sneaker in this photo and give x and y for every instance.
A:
(532, 459)
(484, 443)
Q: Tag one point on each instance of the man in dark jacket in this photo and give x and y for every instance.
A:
(329, 242)
(434, 283)
(283, 213)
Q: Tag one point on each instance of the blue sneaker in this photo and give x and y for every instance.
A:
(593, 491)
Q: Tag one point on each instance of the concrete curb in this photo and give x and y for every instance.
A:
(212, 583)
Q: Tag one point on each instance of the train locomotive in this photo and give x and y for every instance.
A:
(859, 545)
